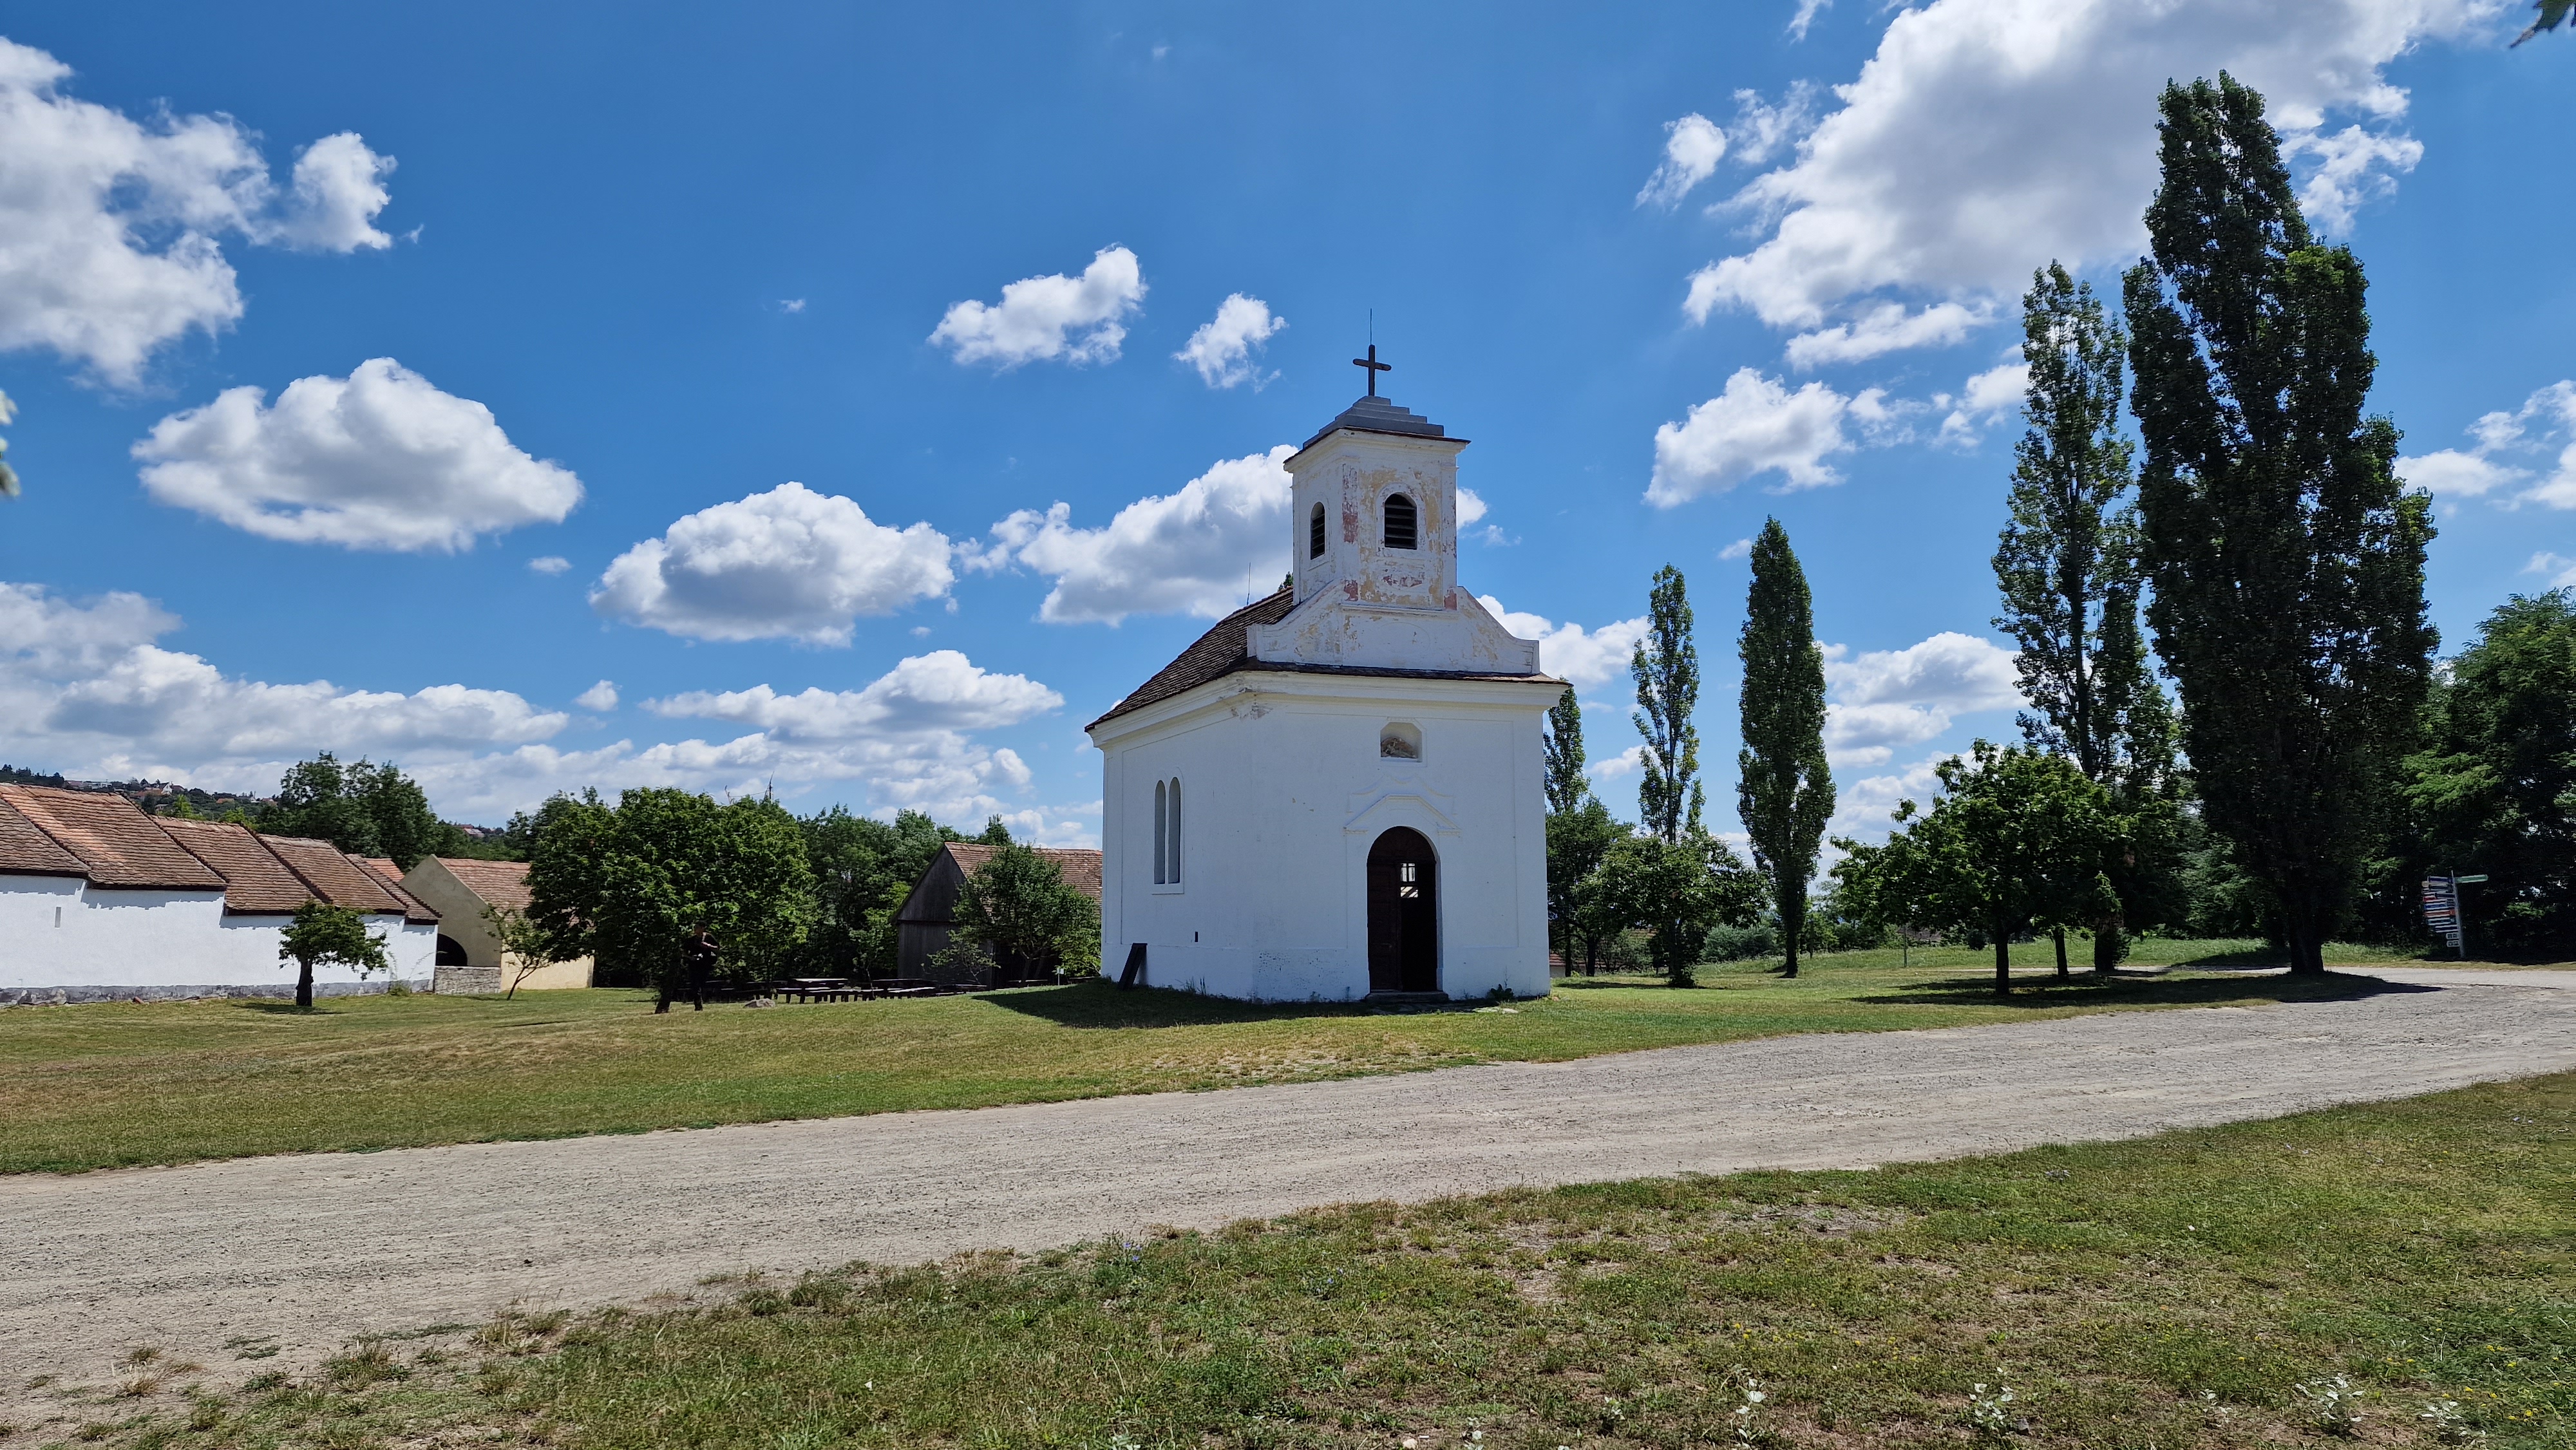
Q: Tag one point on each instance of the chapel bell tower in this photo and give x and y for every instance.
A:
(1375, 514)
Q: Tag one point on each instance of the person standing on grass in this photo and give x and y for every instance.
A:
(699, 955)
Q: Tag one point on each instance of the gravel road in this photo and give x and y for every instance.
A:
(306, 1251)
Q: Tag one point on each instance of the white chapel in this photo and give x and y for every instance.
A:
(1335, 793)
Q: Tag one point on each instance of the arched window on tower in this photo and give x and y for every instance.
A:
(1315, 532)
(1172, 860)
(1162, 846)
(1399, 522)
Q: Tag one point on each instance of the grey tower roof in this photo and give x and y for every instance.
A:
(1377, 415)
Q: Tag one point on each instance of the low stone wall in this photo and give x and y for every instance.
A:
(466, 981)
(69, 996)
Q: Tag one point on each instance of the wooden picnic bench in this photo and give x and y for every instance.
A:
(842, 989)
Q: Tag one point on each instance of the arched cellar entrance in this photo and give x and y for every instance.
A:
(1403, 913)
(450, 953)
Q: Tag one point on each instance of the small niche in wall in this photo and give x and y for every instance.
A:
(1399, 741)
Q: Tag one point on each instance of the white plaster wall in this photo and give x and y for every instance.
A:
(114, 938)
(1283, 793)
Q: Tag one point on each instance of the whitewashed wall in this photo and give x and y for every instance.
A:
(1283, 792)
(58, 931)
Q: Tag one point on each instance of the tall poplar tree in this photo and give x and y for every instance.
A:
(1564, 748)
(2287, 559)
(2068, 566)
(1784, 789)
(1666, 666)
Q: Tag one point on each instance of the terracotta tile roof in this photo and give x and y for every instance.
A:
(1227, 648)
(414, 909)
(336, 877)
(255, 881)
(495, 883)
(116, 843)
(1080, 868)
(26, 850)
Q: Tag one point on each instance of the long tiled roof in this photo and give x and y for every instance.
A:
(25, 849)
(254, 879)
(414, 909)
(1079, 866)
(104, 837)
(496, 883)
(335, 876)
(117, 845)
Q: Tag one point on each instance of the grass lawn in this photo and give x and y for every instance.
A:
(118, 1084)
(2167, 1292)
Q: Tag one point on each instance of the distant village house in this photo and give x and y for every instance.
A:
(99, 901)
(470, 958)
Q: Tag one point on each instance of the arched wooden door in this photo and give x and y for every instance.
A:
(1403, 913)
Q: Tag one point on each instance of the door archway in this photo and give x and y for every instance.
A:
(1403, 913)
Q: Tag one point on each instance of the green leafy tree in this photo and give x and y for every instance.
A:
(1017, 912)
(323, 933)
(2553, 13)
(1563, 747)
(1679, 891)
(2494, 791)
(527, 947)
(1666, 667)
(1578, 840)
(863, 869)
(568, 841)
(2015, 842)
(2068, 568)
(1785, 789)
(2287, 560)
(632, 885)
(363, 808)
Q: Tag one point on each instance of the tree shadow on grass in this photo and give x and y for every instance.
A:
(280, 1007)
(1100, 1004)
(2140, 991)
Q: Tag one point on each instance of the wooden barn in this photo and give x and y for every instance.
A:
(923, 922)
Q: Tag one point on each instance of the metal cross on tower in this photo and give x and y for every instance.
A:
(1374, 368)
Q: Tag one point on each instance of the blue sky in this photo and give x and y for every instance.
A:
(543, 314)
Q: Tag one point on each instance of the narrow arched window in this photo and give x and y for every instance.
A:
(1315, 532)
(1399, 522)
(1161, 846)
(1172, 862)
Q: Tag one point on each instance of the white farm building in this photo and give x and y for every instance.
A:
(100, 901)
(1335, 793)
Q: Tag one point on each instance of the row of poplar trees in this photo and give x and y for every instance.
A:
(2261, 532)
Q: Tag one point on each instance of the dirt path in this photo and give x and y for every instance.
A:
(306, 1251)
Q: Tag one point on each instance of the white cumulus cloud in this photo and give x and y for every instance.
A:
(84, 685)
(1986, 398)
(1693, 146)
(1566, 651)
(1985, 137)
(1756, 426)
(1224, 346)
(85, 690)
(1195, 551)
(1889, 698)
(1043, 319)
(942, 690)
(111, 228)
(2560, 568)
(787, 564)
(550, 565)
(380, 459)
(2545, 421)
(1889, 328)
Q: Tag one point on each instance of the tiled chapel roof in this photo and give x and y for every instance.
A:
(1227, 648)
